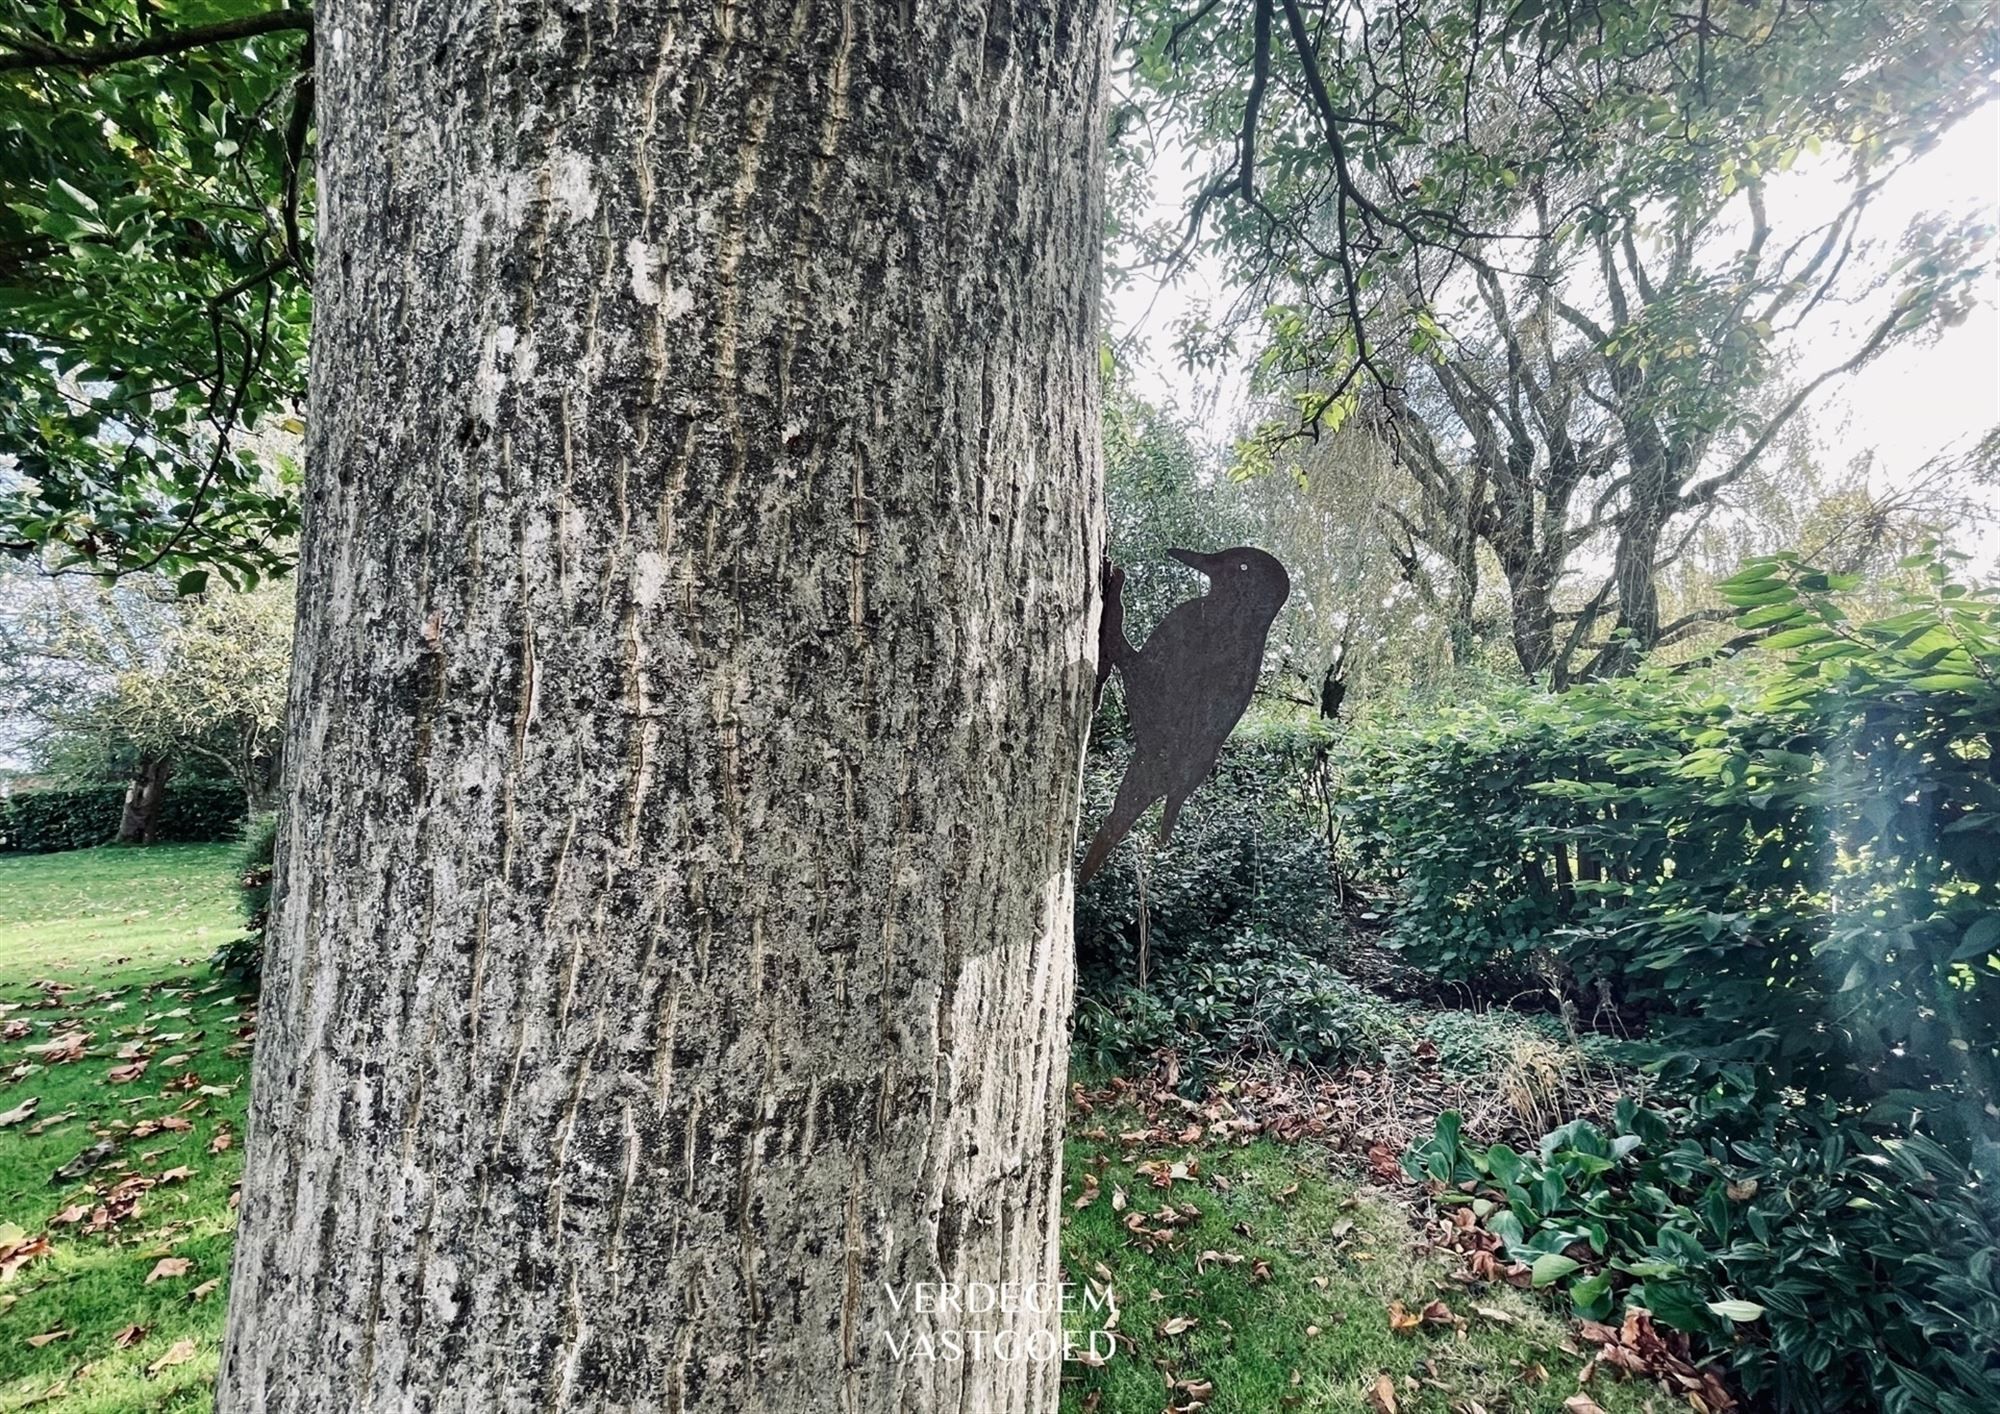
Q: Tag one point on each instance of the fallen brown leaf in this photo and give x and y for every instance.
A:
(168, 1267)
(20, 1112)
(61, 1049)
(130, 1336)
(181, 1352)
(1382, 1395)
(46, 1337)
(48, 1122)
(17, 1249)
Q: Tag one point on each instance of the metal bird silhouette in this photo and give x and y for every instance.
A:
(1187, 687)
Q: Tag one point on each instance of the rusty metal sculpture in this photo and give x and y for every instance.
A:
(1188, 686)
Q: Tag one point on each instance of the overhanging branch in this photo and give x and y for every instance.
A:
(40, 54)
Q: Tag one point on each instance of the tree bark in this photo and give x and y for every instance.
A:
(145, 793)
(672, 950)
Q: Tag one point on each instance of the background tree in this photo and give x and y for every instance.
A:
(63, 645)
(133, 683)
(1163, 488)
(1536, 236)
(214, 695)
(672, 938)
(1363, 619)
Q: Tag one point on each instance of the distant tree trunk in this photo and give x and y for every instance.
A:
(1654, 497)
(672, 948)
(1532, 617)
(145, 793)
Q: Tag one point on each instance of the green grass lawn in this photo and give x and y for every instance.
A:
(1264, 1282)
(1258, 1281)
(112, 945)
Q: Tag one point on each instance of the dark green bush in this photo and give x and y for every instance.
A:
(79, 817)
(1832, 1268)
(1449, 808)
(1792, 861)
(1239, 909)
(254, 866)
(1247, 994)
(243, 955)
(43, 821)
(200, 812)
(1248, 856)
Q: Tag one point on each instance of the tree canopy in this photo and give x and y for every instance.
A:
(155, 257)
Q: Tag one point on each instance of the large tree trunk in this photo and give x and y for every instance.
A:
(672, 947)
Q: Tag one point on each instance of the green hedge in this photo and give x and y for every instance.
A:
(1791, 861)
(79, 817)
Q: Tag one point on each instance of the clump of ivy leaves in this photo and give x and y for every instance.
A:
(155, 256)
(1870, 1257)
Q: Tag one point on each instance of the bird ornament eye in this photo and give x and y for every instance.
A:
(1244, 566)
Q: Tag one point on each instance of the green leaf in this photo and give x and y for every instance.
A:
(1592, 1297)
(1980, 939)
(1737, 1310)
(1552, 1267)
(1948, 682)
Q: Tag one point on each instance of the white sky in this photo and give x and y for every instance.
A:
(1913, 402)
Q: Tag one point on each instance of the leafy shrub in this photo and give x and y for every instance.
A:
(1248, 855)
(243, 955)
(1790, 861)
(1447, 808)
(1832, 1269)
(1238, 909)
(80, 817)
(200, 812)
(1251, 993)
(254, 867)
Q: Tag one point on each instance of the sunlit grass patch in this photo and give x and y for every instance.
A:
(111, 946)
(1257, 1281)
